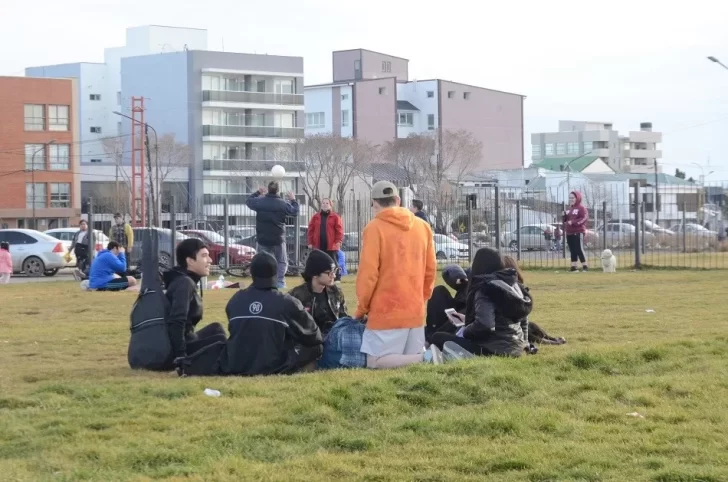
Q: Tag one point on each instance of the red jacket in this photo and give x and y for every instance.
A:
(334, 232)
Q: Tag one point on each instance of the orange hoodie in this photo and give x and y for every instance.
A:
(396, 270)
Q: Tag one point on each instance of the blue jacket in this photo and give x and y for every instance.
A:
(270, 222)
(103, 268)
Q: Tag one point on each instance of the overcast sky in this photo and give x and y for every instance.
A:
(619, 61)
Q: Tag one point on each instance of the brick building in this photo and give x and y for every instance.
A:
(39, 181)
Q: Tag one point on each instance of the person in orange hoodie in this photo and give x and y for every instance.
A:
(396, 277)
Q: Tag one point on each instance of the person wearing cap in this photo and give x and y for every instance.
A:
(395, 279)
(437, 320)
(122, 233)
(319, 294)
(270, 332)
(326, 231)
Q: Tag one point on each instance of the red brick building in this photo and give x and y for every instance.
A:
(39, 170)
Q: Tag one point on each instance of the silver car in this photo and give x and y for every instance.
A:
(34, 253)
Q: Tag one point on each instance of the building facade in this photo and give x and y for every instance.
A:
(636, 152)
(372, 98)
(38, 153)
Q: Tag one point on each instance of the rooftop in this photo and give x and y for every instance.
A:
(405, 105)
(576, 164)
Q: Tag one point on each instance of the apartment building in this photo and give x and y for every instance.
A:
(637, 152)
(371, 97)
(38, 161)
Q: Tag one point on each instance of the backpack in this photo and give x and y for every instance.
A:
(342, 347)
(149, 346)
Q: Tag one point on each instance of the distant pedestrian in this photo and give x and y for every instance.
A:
(558, 237)
(80, 247)
(417, 209)
(270, 224)
(122, 234)
(326, 232)
(6, 263)
(575, 219)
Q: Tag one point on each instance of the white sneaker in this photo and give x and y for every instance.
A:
(433, 355)
(84, 285)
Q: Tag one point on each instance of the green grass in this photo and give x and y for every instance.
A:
(71, 409)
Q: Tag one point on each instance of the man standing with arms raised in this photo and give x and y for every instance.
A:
(270, 224)
(395, 279)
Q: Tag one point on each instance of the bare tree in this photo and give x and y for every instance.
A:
(115, 149)
(168, 157)
(412, 154)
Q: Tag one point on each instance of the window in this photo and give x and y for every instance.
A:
(95, 160)
(118, 97)
(344, 96)
(59, 156)
(451, 94)
(536, 150)
(39, 151)
(34, 118)
(94, 97)
(14, 237)
(316, 119)
(466, 95)
(560, 148)
(430, 122)
(430, 94)
(60, 195)
(96, 130)
(344, 118)
(35, 197)
(382, 90)
(587, 146)
(572, 148)
(406, 119)
(386, 66)
(549, 149)
(57, 117)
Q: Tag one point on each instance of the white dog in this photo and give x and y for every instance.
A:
(609, 262)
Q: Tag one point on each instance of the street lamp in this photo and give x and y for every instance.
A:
(715, 60)
(702, 173)
(32, 174)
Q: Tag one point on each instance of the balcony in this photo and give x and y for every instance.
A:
(269, 98)
(237, 165)
(650, 154)
(253, 131)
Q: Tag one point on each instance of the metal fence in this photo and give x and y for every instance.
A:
(682, 227)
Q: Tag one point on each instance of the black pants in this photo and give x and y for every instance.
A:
(335, 256)
(576, 247)
(204, 350)
(439, 339)
(437, 320)
(536, 334)
(203, 337)
(305, 355)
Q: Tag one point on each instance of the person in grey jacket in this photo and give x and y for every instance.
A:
(270, 224)
(497, 309)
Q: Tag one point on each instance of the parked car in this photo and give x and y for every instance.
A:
(237, 253)
(164, 237)
(693, 229)
(480, 240)
(237, 233)
(252, 241)
(449, 248)
(65, 236)
(351, 242)
(34, 253)
(531, 235)
(591, 237)
(621, 235)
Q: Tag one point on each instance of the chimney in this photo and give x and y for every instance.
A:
(646, 126)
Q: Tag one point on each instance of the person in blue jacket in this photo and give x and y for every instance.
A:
(104, 276)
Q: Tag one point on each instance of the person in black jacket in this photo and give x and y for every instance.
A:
(457, 279)
(270, 224)
(497, 309)
(193, 263)
(270, 332)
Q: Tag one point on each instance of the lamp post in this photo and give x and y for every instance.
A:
(715, 60)
(32, 178)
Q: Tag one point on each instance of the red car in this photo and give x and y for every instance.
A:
(237, 253)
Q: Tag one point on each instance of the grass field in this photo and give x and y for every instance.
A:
(71, 410)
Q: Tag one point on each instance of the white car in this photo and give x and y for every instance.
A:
(65, 236)
(448, 248)
(34, 253)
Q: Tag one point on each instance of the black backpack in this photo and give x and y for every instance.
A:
(149, 346)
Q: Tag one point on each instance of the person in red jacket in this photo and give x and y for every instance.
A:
(575, 218)
(326, 232)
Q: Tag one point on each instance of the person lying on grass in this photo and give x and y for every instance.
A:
(320, 296)
(104, 276)
(496, 312)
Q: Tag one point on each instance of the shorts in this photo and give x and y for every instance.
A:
(403, 341)
(117, 284)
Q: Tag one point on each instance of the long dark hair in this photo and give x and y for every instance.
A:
(510, 262)
(486, 261)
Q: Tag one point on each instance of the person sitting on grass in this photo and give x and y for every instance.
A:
(105, 269)
(193, 264)
(496, 313)
(437, 321)
(319, 294)
(270, 332)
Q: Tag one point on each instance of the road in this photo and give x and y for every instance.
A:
(62, 275)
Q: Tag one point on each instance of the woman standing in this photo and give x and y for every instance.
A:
(575, 219)
(326, 232)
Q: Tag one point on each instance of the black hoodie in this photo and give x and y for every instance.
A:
(186, 307)
(497, 312)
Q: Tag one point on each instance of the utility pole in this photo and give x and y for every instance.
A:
(657, 196)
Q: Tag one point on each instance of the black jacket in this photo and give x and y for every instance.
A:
(265, 326)
(422, 216)
(497, 312)
(185, 307)
(270, 221)
(337, 303)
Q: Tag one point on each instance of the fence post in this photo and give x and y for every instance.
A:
(91, 234)
(226, 240)
(358, 230)
(470, 200)
(684, 232)
(637, 250)
(497, 218)
(642, 222)
(518, 230)
(173, 229)
(563, 245)
(297, 234)
(604, 224)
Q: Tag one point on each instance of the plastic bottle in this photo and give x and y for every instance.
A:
(220, 282)
(212, 393)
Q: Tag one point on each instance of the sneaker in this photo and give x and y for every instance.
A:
(433, 355)
(84, 285)
(574, 269)
(451, 351)
(585, 268)
(77, 274)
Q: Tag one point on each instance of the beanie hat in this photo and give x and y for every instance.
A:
(451, 274)
(264, 269)
(317, 262)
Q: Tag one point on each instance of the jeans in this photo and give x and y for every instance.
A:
(281, 255)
